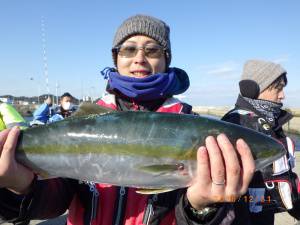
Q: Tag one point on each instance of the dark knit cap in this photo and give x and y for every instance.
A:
(144, 25)
(264, 73)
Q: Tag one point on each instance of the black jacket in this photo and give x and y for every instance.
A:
(246, 115)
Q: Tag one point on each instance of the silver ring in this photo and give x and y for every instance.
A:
(219, 183)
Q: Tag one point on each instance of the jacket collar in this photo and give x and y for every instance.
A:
(128, 104)
(283, 118)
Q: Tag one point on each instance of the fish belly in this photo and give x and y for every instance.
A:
(115, 169)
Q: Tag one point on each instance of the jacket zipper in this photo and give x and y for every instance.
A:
(95, 200)
(277, 180)
(120, 205)
(149, 212)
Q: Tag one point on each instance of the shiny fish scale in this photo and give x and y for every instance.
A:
(132, 148)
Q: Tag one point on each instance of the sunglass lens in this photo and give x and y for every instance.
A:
(128, 51)
(153, 51)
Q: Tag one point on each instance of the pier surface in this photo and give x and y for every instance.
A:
(293, 126)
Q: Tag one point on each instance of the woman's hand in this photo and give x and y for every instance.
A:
(13, 175)
(223, 172)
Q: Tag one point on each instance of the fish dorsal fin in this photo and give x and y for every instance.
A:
(152, 191)
(86, 108)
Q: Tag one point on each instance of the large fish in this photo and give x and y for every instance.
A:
(147, 150)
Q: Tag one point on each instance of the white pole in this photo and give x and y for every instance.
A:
(45, 55)
(56, 92)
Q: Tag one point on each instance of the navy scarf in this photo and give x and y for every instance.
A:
(161, 85)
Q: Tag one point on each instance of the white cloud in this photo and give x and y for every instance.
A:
(228, 69)
(281, 59)
(221, 70)
(213, 88)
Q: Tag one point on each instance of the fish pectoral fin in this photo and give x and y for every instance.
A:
(86, 108)
(44, 175)
(153, 191)
(159, 169)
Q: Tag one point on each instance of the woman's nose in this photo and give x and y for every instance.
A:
(281, 95)
(140, 56)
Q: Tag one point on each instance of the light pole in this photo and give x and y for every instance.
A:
(39, 93)
(92, 93)
(56, 92)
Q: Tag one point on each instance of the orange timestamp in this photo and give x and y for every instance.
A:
(246, 198)
(251, 198)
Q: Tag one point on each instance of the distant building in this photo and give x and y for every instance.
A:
(6, 100)
(87, 99)
(25, 103)
(20, 102)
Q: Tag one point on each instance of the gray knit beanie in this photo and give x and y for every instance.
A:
(144, 25)
(264, 73)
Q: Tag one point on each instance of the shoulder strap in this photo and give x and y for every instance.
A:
(108, 101)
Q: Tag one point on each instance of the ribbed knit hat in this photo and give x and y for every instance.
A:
(264, 73)
(144, 25)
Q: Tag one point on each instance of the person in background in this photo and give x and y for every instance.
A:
(142, 81)
(47, 114)
(10, 117)
(259, 107)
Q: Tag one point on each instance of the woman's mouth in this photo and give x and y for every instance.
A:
(140, 74)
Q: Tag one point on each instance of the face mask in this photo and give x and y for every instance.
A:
(66, 105)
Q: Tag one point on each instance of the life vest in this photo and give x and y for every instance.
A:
(110, 204)
(171, 105)
(9, 117)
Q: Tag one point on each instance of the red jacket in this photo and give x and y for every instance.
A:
(124, 205)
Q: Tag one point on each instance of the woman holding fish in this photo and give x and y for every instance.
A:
(142, 81)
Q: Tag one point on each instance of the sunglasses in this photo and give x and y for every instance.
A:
(150, 50)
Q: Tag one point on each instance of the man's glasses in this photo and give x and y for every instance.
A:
(150, 50)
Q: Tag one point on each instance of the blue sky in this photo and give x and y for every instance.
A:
(210, 39)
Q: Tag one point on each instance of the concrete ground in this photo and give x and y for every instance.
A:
(280, 218)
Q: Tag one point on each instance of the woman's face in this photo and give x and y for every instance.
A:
(149, 58)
